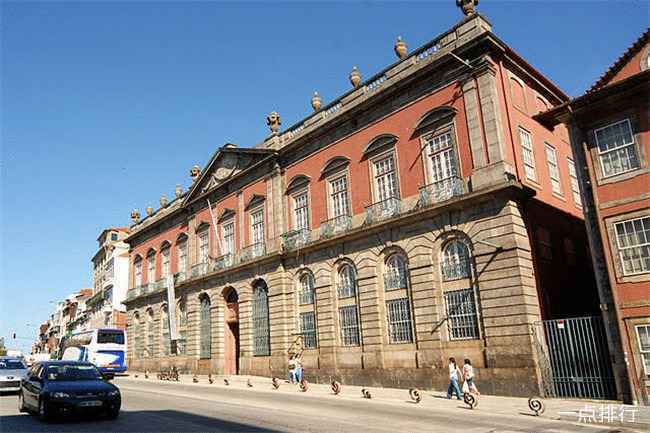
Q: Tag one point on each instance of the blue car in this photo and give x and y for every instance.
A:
(67, 387)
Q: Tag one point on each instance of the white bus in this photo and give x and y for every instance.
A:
(106, 348)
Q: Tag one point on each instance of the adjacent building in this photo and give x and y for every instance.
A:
(110, 280)
(611, 142)
(423, 214)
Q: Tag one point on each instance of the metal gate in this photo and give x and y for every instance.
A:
(574, 358)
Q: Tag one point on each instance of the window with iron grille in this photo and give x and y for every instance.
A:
(261, 334)
(616, 148)
(151, 268)
(181, 253)
(349, 322)
(553, 170)
(204, 245)
(399, 321)
(205, 329)
(306, 292)
(301, 211)
(347, 282)
(181, 343)
(257, 226)
(462, 319)
(228, 236)
(643, 334)
(151, 335)
(442, 157)
(633, 239)
(339, 196)
(166, 341)
(396, 274)
(526, 141)
(308, 330)
(139, 337)
(138, 273)
(385, 179)
(455, 262)
(575, 188)
(164, 265)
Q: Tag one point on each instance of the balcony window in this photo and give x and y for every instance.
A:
(349, 323)
(441, 155)
(396, 274)
(308, 330)
(385, 179)
(526, 141)
(616, 148)
(228, 236)
(455, 262)
(257, 226)
(138, 273)
(462, 319)
(633, 241)
(553, 170)
(575, 187)
(301, 211)
(339, 197)
(204, 245)
(164, 269)
(151, 268)
(306, 290)
(399, 321)
(347, 281)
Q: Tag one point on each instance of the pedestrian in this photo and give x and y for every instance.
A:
(468, 376)
(454, 377)
(292, 369)
(298, 369)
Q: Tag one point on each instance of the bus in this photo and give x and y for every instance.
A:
(106, 348)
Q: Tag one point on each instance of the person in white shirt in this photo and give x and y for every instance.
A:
(468, 375)
(454, 377)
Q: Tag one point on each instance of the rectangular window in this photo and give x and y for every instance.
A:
(113, 236)
(204, 246)
(301, 211)
(399, 321)
(462, 320)
(228, 236)
(339, 197)
(349, 325)
(616, 148)
(308, 330)
(633, 238)
(553, 170)
(151, 268)
(164, 269)
(385, 179)
(182, 256)
(257, 227)
(110, 268)
(442, 157)
(526, 141)
(545, 243)
(575, 188)
(643, 334)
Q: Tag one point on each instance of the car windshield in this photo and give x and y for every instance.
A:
(116, 337)
(72, 372)
(11, 364)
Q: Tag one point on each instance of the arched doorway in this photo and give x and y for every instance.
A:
(231, 332)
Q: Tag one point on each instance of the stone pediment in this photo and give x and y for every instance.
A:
(225, 164)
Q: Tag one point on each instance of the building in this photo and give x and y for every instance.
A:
(421, 215)
(76, 311)
(610, 139)
(110, 280)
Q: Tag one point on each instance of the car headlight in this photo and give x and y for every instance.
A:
(60, 395)
(113, 393)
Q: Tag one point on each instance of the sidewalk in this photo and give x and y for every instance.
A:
(596, 413)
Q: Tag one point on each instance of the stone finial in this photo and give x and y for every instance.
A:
(355, 77)
(178, 191)
(195, 172)
(316, 101)
(135, 216)
(149, 211)
(274, 122)
(467, 6)
(401, 49)
(163, 201)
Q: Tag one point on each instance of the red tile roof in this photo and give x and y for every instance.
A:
(621, 61)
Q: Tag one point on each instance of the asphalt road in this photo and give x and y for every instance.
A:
(173, 407)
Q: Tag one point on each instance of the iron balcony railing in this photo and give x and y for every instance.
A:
(395, 280)
(180, 277)
(346, 289)
(386, 209)
(294, 239)
(224, 261)
(199, 270)
(442, 190)
(454, 270)
(135, 292)
(339, 224)
(160, 284)
(253, 251)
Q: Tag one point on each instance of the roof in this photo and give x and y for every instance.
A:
(621, 61)
(113, 229)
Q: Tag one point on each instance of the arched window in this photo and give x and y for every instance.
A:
(205, 328)
(150, 334)
(395, 277)
(181, 343)
(151, 266)
(347, 281)
(137, 271)
(455, 263)
(165, 341)
(165, 269)
(261, 331)
(306, 289)
(181, 257)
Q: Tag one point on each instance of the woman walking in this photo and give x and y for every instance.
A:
(454, 377)
(468, 375)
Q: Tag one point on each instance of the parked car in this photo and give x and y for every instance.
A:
(65, 388)
(12, 370)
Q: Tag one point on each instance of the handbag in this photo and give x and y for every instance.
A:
(465, 388)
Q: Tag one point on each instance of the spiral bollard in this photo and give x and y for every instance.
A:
(226, 382)
(210, 379)
(249, 383)
(195, 379)
(470, 399)
(336, 387)
(275, 382)
(303, 385)
(146, 374)
(366, 393)
(414, 393)
(536, 405)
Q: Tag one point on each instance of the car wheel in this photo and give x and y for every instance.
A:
(43, 413)
(21, 403)
(113, 412)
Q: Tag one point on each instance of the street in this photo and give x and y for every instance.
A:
(154, 406)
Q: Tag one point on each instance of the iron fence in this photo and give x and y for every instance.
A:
(442, 190)
(335, 225)
(383, 210)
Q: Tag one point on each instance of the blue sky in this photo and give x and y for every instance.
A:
(106, 106)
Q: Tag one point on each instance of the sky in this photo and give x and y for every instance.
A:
(106, 106)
